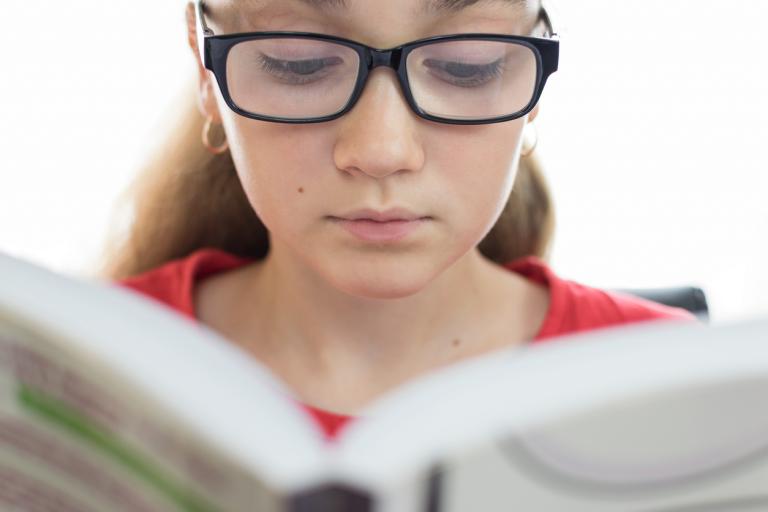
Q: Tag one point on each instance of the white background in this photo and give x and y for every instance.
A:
(653, 130)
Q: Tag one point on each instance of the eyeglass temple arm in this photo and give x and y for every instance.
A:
(201, 17)
(546, 18)
(203, 31)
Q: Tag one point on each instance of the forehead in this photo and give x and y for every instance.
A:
(341, 7)
(381, 23)
(416, 6)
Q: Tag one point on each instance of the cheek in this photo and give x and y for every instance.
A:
(479, 164)
(280, 167)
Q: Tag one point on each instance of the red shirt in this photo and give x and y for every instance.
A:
(573, 307)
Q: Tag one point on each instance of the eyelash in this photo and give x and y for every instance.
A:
(278, 67)
(487, 71)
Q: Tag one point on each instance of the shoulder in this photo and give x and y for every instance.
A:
(578, 307)
(172, 283)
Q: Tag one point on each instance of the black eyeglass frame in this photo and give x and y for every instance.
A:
(214, 50)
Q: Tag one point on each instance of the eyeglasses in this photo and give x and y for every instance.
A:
(303, 77)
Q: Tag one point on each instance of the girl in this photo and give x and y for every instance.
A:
(354, 217)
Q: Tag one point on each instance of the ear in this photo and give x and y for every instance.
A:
(206, 99)
(534, 113)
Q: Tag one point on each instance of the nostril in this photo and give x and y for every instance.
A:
(353, 171)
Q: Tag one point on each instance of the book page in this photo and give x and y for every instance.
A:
(646, 417)
(121, 388)
(65, 435)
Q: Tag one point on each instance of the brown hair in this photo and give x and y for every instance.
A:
(186, 199)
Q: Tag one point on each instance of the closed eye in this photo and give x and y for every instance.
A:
(462, 74)
(298, 72)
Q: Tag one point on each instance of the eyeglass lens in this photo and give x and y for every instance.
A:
(298, 78)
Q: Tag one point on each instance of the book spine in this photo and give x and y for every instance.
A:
(340, 497)
(434, 489)
(331, 497)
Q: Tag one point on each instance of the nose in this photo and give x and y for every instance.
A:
(379, 136)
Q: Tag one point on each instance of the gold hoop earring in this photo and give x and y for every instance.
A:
(215, 150)
(526, 138)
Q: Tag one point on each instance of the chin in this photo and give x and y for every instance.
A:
(395, 282)
(382, 292)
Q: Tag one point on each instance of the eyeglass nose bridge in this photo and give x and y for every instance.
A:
(390, 58)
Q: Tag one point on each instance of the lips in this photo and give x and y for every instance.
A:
(379, 232)
(393, 214)
(388, 226)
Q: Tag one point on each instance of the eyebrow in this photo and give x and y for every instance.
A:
(439, 6)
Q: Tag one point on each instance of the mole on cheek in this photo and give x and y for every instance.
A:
(456, 342)
(301, 190)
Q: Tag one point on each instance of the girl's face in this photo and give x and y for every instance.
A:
(301, 178)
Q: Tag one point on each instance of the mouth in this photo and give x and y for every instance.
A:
(391, 215)
(389, 231)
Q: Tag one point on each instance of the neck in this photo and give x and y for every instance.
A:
(322, 339)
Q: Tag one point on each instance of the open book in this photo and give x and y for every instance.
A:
(111, 402)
